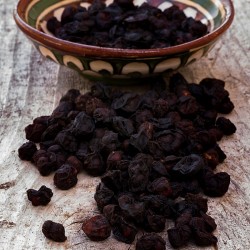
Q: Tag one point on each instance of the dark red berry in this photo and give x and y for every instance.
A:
(27, 150)
(97, 228)
(150, 241)
(54, 231)
(40, 197)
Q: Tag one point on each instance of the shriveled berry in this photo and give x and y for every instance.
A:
(67, 141)
(154, 222)
(216, 185)
(34, 132)
(210, 224)
(97, 228)
(124, 231)
(131, 209)
(46, 163)
(151, 241)
(197, 200)
(40, 197)
(27, 150)
(103, 196)
(54, 231)
(75, 162)
(202, 238)
(83, 125)
(94, 164)
(226, 126)
(65, 177)
(180, 236)
(160, 186)
(188, 166)
(114, 159)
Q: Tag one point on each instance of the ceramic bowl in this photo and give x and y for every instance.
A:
(110, 63)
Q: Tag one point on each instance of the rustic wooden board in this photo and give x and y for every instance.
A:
(30, 86)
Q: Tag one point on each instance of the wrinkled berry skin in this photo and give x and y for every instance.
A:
(97, 228)
(75, 162)
(188, 166)
(216, 185)
(226, 126)
(27, 150)
(34, 132)
(150, 241)
(124, 231)
(40, 197)
(180, 236)
(65, 177)
(54, 231)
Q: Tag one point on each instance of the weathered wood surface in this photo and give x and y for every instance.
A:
(30, 86)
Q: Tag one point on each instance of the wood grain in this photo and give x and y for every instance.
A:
(31, 86)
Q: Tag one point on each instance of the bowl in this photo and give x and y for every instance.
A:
(113, 63)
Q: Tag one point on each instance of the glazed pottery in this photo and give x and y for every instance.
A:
(109, 63)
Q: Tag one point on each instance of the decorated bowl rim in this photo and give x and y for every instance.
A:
(96, 51)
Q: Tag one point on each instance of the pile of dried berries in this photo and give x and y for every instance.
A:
(124, 25)
(155, 153)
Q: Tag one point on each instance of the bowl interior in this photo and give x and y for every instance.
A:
(210, 12)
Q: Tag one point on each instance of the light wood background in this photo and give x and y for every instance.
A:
(31, 86)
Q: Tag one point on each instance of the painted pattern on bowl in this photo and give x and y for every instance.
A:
(37, 12)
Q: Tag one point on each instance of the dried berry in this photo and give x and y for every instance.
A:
(112, 213)
(138, 173)
(215, 185)
(124, 231)
(75, 162)
(210, 224)
(128, 102)
(170, 140)
(188, 166)
(65, 177)
(54, 231)
(159, 204)
(40, 197)
(225, 125)
(204, 238)
(97, 228)
(34, 132)
(124, 127)
(180, 236)
(197, 200)
(160, 186)
(94, 164)
(103, 196)
(114, 159)
(103, 115)
(151, 241)
(83, 125)
(183, 219)
(154, 222)
(67, 141)
(27, 150)
(131, 209)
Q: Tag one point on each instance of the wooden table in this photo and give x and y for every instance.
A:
(31, 86)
